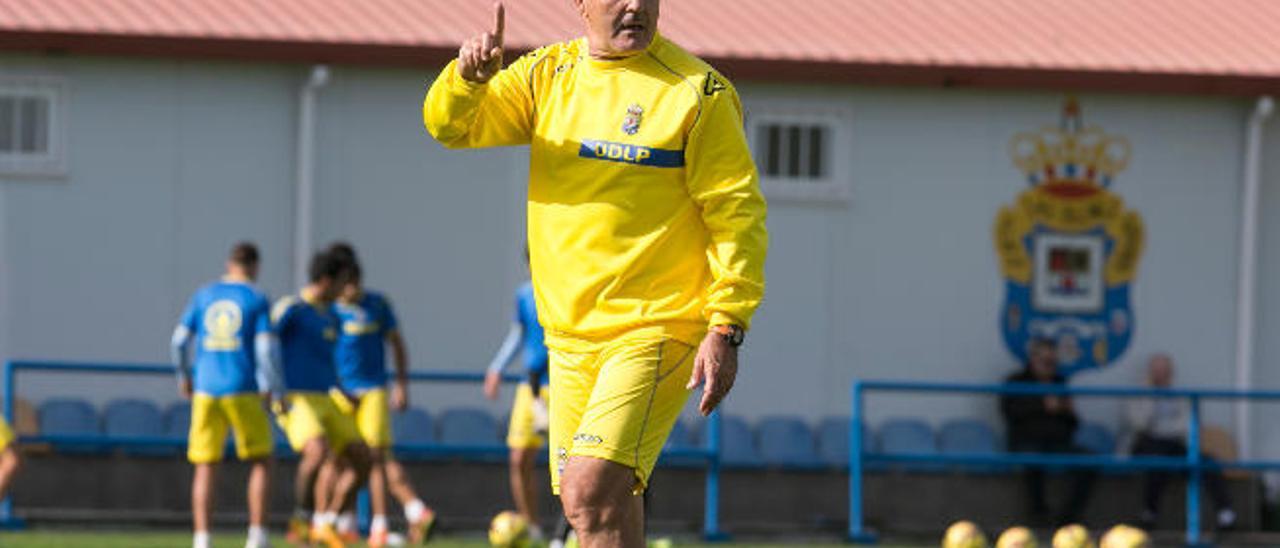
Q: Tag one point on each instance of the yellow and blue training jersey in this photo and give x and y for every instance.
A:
(225, 318)
(362, 349)
(307, 332)
(644, 209)
(532, 346)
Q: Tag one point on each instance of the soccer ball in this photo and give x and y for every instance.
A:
(1124, 536)
(509, 530)
(964, 534)
(1072, 536)
(1016, 537)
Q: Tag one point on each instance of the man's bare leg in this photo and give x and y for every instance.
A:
(398, 482)
(420, 517)
(10, 463)
(598, 500)
(522, 487)
(259, 482)
(350, 478)
(378, 493)
(310, 483)
(202, 497)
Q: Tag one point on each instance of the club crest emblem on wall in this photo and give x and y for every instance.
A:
(1068, 249)
(631, 124)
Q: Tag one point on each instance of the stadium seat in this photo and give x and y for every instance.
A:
(468, 426)
(177, 420)
(684, 437)
(906, 436)
(1219, 445)
(967, 437)
(1097, 438)
(970, 437)
(737, 445)
(132, 418)
(681, 437)
(786, 441)
(25, 420)
(70, 417)
(833, 441)
(412, 428)
(909, 436)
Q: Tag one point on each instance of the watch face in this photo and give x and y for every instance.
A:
(736, 335)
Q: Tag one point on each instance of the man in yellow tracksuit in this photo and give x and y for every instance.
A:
(646, 237)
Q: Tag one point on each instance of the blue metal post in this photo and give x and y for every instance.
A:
(1194, 474)
(711, 520)
(363, 512)
(857, 530)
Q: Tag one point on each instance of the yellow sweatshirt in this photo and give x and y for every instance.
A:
(645, 210)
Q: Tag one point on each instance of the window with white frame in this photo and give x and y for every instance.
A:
(800, 151)
(32, 126)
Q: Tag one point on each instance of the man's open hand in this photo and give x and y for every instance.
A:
(715, 369)
(480, 57)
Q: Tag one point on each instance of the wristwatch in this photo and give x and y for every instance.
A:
(732, 334)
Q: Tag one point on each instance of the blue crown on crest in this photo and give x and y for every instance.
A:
(1070, 158)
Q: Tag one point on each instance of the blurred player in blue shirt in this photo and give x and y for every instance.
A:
(528, 427)
(321, 433)
(367, 326)
(229, 320)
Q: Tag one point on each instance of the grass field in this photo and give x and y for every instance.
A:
(175, 539)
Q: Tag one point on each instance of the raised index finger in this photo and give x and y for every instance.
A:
(499, 21)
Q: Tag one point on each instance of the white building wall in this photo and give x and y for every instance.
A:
(910, 285)
(172, 161)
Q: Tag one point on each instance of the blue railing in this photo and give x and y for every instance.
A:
(710, 453)
(1193, 463)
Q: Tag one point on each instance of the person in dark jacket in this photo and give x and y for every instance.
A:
(1045, 424)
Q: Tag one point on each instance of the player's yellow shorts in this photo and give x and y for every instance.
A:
(618, 403)
(522, 433)
(314, 415)
(212, 415)
(6, 434)
(372, 414)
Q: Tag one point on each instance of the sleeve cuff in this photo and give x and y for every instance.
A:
(720, 318)
(462, 85)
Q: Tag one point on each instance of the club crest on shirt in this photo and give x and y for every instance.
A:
(631, 123)
(222, 321)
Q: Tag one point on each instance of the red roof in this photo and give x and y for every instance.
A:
(1228, 46)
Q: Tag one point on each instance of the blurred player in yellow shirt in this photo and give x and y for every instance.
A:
(646, 237)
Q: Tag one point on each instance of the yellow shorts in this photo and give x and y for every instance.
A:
(314, 415)
(372, 414)
(210, 417)
(521, 431)
(6, 434)
(618, 403)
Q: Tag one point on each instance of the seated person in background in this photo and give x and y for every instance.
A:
(1045, 424)
(1160, 428)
